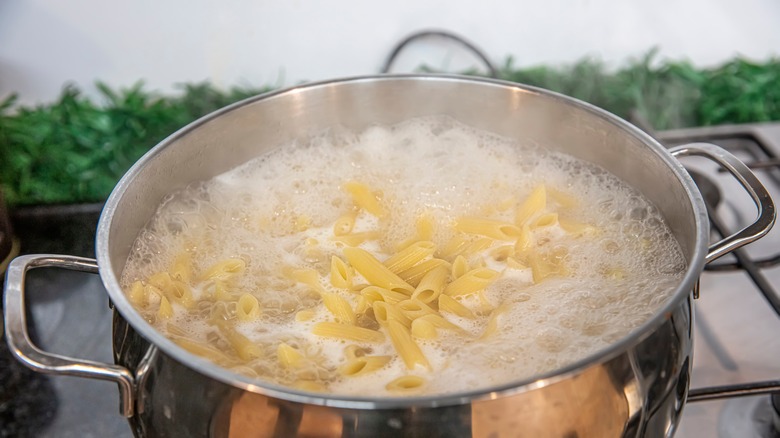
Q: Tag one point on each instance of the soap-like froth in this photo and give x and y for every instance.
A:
(278, 210)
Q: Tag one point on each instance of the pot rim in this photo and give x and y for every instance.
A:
(209, 369)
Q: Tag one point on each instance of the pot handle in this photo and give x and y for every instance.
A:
(766, 207)
(48, 363)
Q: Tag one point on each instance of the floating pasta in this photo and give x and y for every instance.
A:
(414, 309)
(181, 269)
(364, 198)
(451, 305)
(203, 350)
(545, 220)
(535, 203)
(344, 224)
(472, 281)
(340, 273)
(502, 253)
(376, 293)
(247, 308)
(423, 329)
(339, 307)
(289, 357)
(245, 348)
(223, 270)
(356, 239)
(415, 274)
(348, 332)
(137, 296)
(165, 310)
(374, 271)
(358, 366)
(431, 285)
(405, 346)
(487, 227)
(410, 256)
(405, 384)
(459, 267)
(384, 313)
(547, 265)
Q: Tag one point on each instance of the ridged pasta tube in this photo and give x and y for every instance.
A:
(406, 347)
(348, 332)
(472, 281)
(487, 227)
(374, 271)
(405, 384)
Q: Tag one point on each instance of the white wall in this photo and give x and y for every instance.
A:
(45, 43)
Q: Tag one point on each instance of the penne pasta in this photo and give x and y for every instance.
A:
(410, 256)
(384, 313)
(545, 220)
(406, 384)
(486, 227)
(165, 310)
(358, 366)
(546, 265)
(223, 270)
(451, 305)
(245, 349)
(364, 198)
(472, 281)
(356, 239)
(438, 321)
(374, 271)
(137, 296)
(344, 224)
(182, 267)
(415, 274)
(348, 332)
(423, 329)
(431, 285)
(459, 267)
(289, 357)
(535, 203)
(406, 347)
(339, 307)
(247, 308)
(375, 293)
(340, 273)
(203, 350)
(414, 309)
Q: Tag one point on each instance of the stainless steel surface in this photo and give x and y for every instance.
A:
(637, 386)
(48, 363)
(736, 330)
(766, 215)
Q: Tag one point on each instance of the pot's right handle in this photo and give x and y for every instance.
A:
(48, 363)
(766, 207)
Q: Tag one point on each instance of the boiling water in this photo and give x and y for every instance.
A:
(278, 211)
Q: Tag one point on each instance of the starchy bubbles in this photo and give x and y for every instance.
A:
(422, 258)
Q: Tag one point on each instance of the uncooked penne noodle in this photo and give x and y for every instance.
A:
(375, 293)
(451, 305)
(535, 203)
(137, 296)
(289, 357)
(223, 270)
(487, 227)
(414, 309)
(247, 308)
(203, 350)
(348, 332)
(406, 347)
(305, 315)
(410, 256)
(545, 220)
(182, 267)
(459, 267)
(472, 281)
(384, 313)
(359, 366)
(339, 307)
(422, 329)
(405, 384)
(415, 274)
(374, 271)
(356, 239)
(245, 348)
(344, 224)
(364, 198)
(340, 273)
(165, 310)
(431, 285)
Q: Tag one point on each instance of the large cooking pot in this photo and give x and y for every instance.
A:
(635, 387)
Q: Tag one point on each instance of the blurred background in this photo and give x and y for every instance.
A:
(87, 86)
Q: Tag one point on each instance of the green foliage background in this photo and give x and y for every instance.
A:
(76, 149)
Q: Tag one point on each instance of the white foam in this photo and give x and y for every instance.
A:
(448, 170)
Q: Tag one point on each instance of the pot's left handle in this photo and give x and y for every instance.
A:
(49, 363)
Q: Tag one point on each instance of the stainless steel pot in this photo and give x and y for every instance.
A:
(636, 387)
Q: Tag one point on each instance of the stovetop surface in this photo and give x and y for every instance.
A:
(736, 332)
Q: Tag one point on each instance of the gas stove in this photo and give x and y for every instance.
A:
(737, 317)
